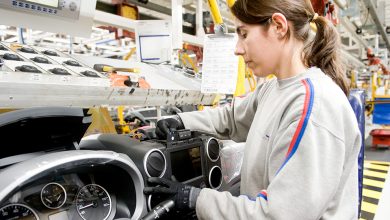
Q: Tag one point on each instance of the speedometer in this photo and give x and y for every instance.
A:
(17, 211)
(93, 203)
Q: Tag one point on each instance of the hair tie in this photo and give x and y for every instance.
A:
(315, 16)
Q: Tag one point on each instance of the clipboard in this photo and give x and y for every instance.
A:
(220, 65)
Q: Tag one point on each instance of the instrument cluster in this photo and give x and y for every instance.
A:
(61, 198)
(76, 196)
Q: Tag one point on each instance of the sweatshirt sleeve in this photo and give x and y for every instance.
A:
(229, 122)
(307, 166)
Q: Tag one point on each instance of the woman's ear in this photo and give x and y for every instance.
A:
(281, 25)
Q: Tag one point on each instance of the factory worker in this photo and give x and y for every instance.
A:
(302, 137)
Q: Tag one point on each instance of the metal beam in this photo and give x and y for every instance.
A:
(374, 15)
(152, 6)
(177, 24)
(199, 18)
(105, 18)
(351, 29)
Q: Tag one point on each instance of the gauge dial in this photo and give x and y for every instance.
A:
(53, 195)
(17, 211)
(93, 202)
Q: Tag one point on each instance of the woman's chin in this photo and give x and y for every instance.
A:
(259, 73)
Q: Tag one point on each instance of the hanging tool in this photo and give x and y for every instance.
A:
(123, 80)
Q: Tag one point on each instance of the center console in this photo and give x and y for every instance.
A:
(185, 156)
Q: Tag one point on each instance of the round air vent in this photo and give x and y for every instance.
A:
(27, 68)
(212, 149)
(215, 177)
(155, 163)
(59, 71)
(51, 53)
(40, 60)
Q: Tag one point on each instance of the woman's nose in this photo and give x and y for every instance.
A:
(239, 50)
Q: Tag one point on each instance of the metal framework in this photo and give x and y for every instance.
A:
(374, 14)
(89, 92)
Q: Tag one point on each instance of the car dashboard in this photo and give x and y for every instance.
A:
(50, 172)
(75, 184)
(80, 193)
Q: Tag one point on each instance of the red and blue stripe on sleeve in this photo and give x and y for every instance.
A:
(300, 130)
(308, 105)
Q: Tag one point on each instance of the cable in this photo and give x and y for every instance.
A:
(20, 34)
(368, 14)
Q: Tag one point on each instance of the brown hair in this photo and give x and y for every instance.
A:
(322, 51)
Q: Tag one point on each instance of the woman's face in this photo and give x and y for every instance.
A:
(259, 46)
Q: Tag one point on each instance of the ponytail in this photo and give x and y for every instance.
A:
(323, 52)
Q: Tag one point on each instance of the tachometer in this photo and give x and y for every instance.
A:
(17, 211)
(53, 195)
(93, 203)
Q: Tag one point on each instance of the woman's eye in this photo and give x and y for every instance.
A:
(243, 35)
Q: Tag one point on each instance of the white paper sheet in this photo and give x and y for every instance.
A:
(220, 65)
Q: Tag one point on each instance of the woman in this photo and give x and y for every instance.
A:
(302, 138)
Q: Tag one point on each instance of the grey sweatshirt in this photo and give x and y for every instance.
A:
(300, 159)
